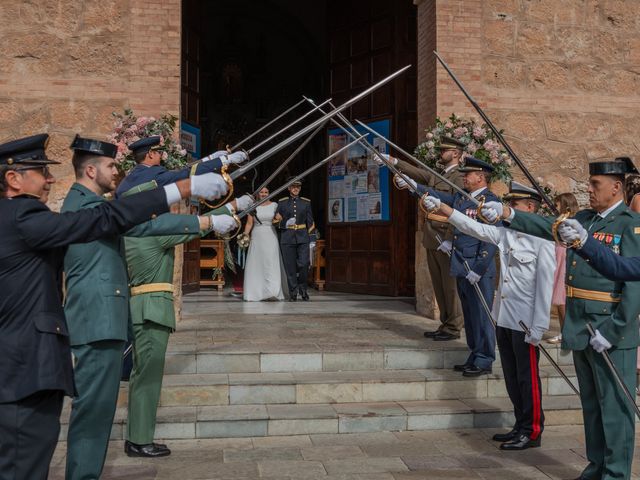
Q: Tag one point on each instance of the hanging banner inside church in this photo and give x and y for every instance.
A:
(358, 187)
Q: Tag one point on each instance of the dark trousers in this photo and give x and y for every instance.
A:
(29, 430)
(296, 263)
(481, 337)
(97, 376)
(522, 377)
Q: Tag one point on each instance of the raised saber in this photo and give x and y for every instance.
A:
(461, 191)
(615, 373)
(284, 129)
(313, 125)
(551, 360)
(266, 125)
(499, 136)
(280, 189)
(289, 158)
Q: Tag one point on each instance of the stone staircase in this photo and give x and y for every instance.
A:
(276, 384)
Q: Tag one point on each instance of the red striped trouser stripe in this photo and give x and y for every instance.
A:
(535, 392)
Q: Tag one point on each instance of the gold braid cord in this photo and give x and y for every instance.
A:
(554, 231)
(481, 201)
(227, 178)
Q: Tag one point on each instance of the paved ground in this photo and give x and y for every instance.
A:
(433, 455)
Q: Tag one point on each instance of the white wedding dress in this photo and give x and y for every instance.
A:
(264, 277)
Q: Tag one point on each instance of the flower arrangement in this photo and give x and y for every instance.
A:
(127, 128)
(479, 139)
(549, 190)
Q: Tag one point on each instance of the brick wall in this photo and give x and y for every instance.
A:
(66, 65)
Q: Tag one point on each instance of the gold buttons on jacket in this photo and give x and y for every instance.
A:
(570, 277)
(117, 292)
(573, 264)
(153, 216)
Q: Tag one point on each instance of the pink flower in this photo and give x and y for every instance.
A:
(142, 122)
(448, 125)
(429, 136)
(472, 147)
(479, 132)
(122, 147)
(161, 140)
(165, 155)
(183, 152)
(491, 145)
(459, 132)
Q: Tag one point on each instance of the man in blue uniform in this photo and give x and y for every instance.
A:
(297, 231)
(148, 155)
(36, 370)
(479, 257)
(610, 306)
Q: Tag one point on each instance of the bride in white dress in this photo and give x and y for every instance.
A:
(264, 277)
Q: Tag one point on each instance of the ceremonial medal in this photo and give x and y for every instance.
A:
(616, 244)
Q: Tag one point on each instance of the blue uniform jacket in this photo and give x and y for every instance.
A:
(300, 209)
(143, 173)
(608, 263)
(479, 255)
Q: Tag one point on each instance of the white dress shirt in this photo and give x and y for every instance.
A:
(527, 266)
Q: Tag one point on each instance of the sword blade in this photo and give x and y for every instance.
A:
(295, 179)
(289, 158)
(496, 132)
(313, 125)
(422, 165)
(284, 129)
(551, 360)
(266, 125)
(615, 373)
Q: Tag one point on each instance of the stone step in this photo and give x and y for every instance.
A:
(182, 422)
(251, 359)
(340, 387)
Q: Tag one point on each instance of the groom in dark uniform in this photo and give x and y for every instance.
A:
(297, 230)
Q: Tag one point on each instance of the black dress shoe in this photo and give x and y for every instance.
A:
(150, 450)
(431, 333)
(293, 298)
(474, 371)
(521, 442)
(462, 367)
(505, 437)
(304, 296)
(444, 336)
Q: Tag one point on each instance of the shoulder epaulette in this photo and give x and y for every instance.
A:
(305, 198)
(283, 199)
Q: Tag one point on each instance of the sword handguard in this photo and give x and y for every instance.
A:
(227, 178)
(554, 231)
(396, 179)
(421, 204)
(481, 202)
(228, 236)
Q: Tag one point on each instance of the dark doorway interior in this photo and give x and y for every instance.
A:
(246, 61)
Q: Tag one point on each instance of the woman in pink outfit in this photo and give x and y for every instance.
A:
(564, 202)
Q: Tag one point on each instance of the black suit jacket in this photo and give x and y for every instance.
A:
(34, 341)
(300, 209)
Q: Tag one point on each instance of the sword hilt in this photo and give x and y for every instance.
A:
(396, 180)
(556, 236)
(421, 205)
(481, 201)
(228, 236)
(227, 178)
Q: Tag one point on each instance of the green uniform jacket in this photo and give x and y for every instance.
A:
(97, 291)
(150, 260)
(617, 322)
(432, 226)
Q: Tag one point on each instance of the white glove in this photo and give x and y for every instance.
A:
(570, 230)
(223, 224)
(445, 247)
(387, 157)
(431, 203)
(312, 245)
(235, 158)
(291, 221)
(215, 155)
(534, 338)
(244, 202)
(473, 277)
(401, 183)
(492, 211)
(599, 343)
(209, 186)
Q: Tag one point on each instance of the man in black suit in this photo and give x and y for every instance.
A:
(36, 368)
